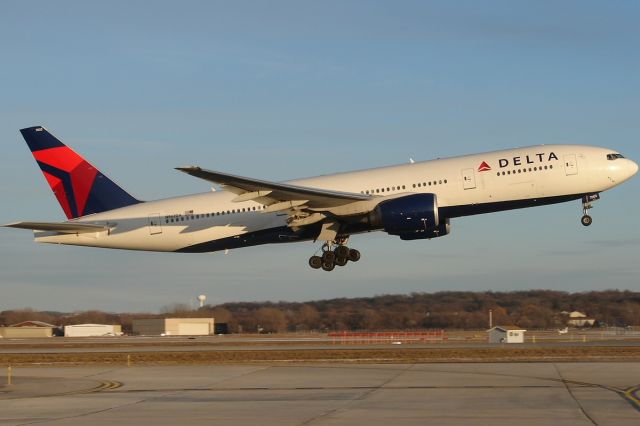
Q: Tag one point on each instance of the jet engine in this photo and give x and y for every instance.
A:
(410, 217)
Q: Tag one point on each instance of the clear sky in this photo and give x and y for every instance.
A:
(286, 89)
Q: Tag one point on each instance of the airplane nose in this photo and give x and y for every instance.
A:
(633, 167)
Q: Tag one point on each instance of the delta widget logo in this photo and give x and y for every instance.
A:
(484, 167)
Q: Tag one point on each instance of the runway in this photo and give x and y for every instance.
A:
(326, 394)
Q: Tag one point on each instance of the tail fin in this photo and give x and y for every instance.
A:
(80, 188)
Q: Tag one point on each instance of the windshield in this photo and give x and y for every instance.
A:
(614, 156)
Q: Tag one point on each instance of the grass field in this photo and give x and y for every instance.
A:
(372, 355)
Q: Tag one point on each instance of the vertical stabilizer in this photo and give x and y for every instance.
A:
(80, 188)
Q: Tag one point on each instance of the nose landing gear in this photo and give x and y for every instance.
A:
(334, 254)
(587, 220)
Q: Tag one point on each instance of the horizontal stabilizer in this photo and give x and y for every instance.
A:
(67, 228)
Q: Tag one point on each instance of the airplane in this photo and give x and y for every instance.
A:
(412, 201)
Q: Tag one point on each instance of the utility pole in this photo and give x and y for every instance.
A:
(490, 318)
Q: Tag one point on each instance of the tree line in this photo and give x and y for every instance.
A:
(447, 310)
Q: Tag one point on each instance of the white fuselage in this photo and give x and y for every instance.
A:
(471, 184)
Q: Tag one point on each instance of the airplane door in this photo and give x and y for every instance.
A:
(570, 165)
(469, 178)
(155, 225)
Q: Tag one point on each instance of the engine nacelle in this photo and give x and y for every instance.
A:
(408, 215)
(439, 231)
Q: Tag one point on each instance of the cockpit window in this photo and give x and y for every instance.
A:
(614, 156)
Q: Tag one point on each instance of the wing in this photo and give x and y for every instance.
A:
(278, 196)
(304, 205)
(66, 228)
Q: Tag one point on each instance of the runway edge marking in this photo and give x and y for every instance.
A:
(632, 395)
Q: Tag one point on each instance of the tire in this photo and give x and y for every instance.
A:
(586, 220)
(328, 257)
(315, 262)
(341, 251)
(341, 261)
(354, 255)
(328, 266)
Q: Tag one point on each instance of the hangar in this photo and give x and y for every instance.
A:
(28, 329)
(173, 326)
(92, 330)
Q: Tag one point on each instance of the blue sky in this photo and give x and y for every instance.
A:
(287, 89)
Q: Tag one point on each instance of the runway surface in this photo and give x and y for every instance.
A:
(321, 394)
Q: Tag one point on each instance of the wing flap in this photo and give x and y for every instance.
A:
(66, 228)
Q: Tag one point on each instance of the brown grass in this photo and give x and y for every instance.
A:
(373, 355)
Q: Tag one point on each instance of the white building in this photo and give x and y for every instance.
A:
(173, 326)
(578, 319)
(506, 334)
(92, 330)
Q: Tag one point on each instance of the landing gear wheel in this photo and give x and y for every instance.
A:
(315, 262)
(334, 253)
(586, 206)
(341, 251)
(328, 266)
(354, 255)
(341, 261)
(328, 257)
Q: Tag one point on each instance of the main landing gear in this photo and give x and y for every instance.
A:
(334, 254)
(587, 220)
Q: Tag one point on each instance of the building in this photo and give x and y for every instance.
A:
(92, 330)
(221, 328)
(506, 334)
(173, 326)
(578, 319)
(28, 329)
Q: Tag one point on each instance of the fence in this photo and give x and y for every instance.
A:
(386, 337)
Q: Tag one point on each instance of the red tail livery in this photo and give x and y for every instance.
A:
(80, 188)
